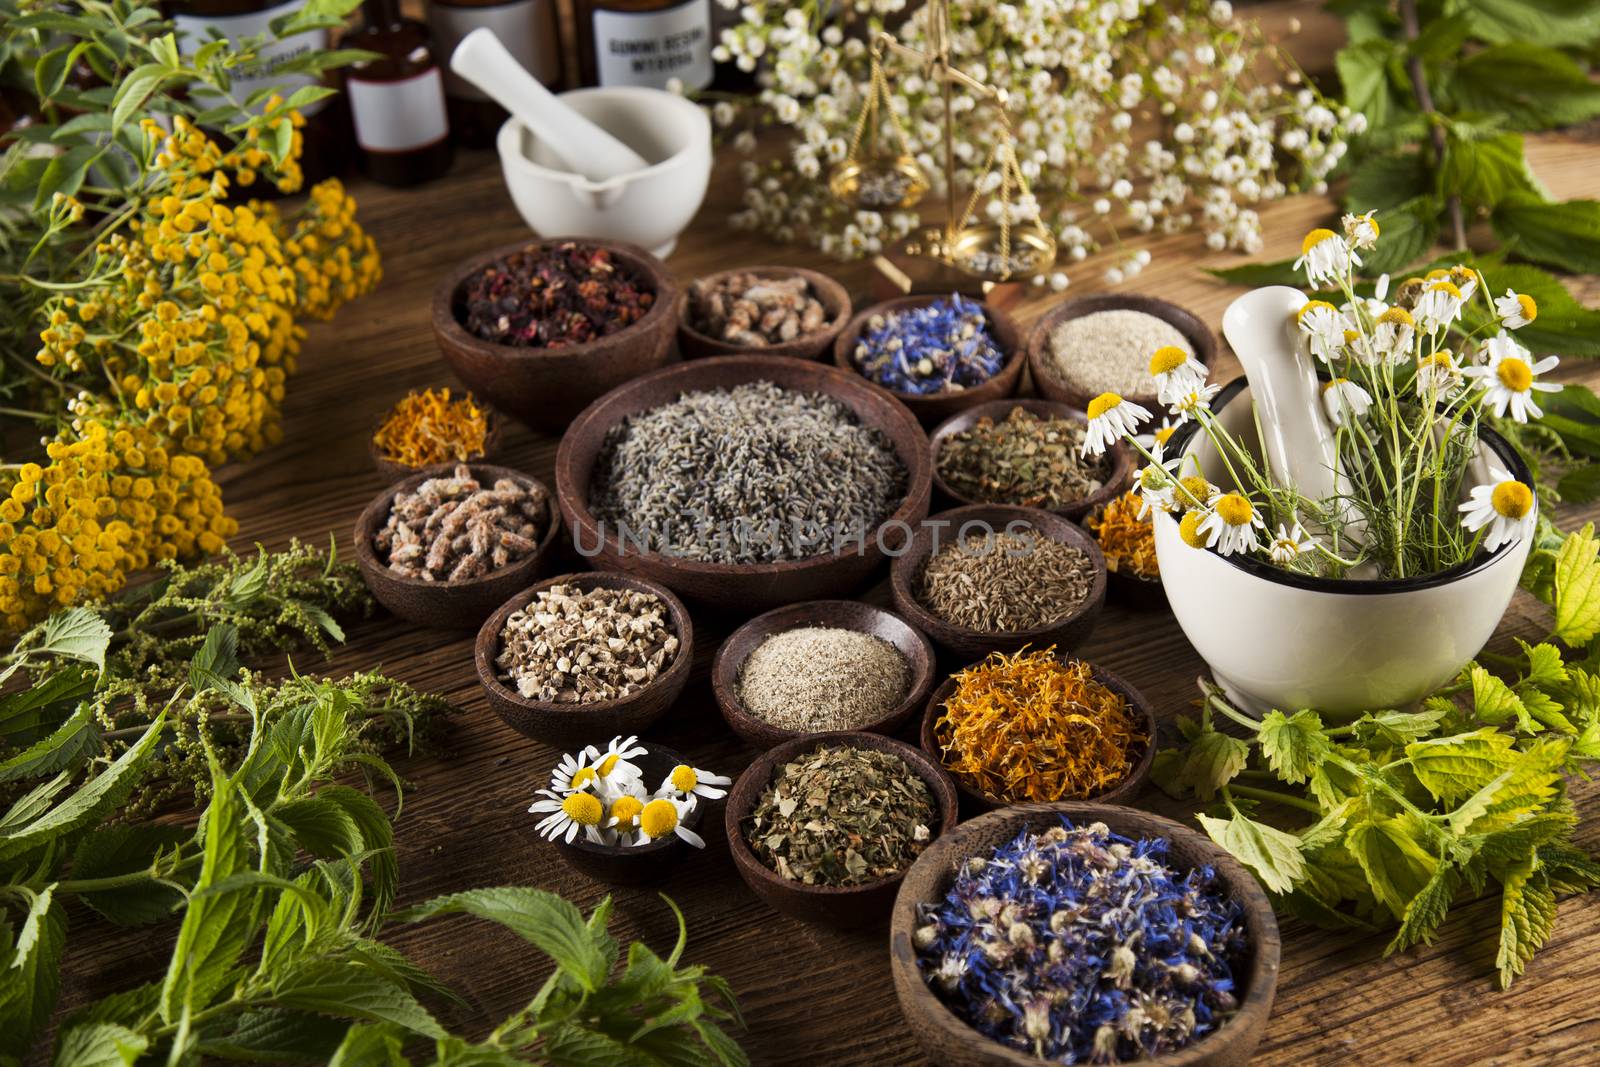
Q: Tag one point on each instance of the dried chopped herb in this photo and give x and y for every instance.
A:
(430, 427)
(1005, 582)
(1079, 945)
(1023, 460)
(579, 646)
(1127, 541)
(842, 815)
(1031, 727)
(568, 294)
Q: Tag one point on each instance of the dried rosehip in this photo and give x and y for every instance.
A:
(554, 296)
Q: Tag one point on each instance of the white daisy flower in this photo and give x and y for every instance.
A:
(1157, 486)
(574, 772)
(1516, 310)
(1324, 328)
(1176, 372)
(1289, 545)
(1190, 527)
(622, 818)
(663, 816)
(1394, 332)
(1439, 305)
(1503, 507)
(1345, 401)
(1187, 405)
(1437, 375)
(568, 815)
(689, 782)
(1232, 524)
(1193, 488)
(1155, 442)
(1326, 257)
(1510, 380)
(1110, 417)
(612, 770)
(1466, 280)
(1361, 230)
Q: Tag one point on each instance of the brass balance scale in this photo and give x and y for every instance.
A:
(995, 248)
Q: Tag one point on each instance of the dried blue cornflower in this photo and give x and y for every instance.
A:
(1079, 945)
(942, 347)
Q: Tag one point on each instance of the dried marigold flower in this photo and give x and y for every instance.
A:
(1127, 541)
(430, 427)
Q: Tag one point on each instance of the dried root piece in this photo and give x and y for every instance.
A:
(451, 528)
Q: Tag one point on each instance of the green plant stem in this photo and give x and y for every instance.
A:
(1412, 28)
(1272, 796)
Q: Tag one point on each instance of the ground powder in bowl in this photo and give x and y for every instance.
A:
(819, 678)
(1005, 582)
(580, 646)
(1109, 351)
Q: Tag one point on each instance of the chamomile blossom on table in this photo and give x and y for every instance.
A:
(600, 793)
(1407, 379)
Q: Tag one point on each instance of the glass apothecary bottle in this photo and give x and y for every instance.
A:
(397, 106)
(528, 30)
(645, 42)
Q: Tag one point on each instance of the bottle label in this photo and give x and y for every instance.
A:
(526, 27)
(262, 71)
(649, 47)
(399, 116)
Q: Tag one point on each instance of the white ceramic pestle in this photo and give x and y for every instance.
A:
(1295, 436)
(585, 147)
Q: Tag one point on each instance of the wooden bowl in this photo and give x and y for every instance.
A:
(449, 605)
(949, 1042)
(939, 406)
(1117, 480)
(1124, 792)
(1041, 365)
(965, 644)
(391, 471)
(644, 864)
(842, 614)
(580, 724)
(545, 387)
(846, 906)
(693, 344)
(743, 587)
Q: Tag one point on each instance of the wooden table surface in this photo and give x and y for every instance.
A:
(811, 996)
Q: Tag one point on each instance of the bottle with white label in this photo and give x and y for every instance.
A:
(397, 103)
(528, 30)
(326, 134)
(645, 42)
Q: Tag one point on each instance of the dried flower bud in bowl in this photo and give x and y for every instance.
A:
(581, 655)
(771, 311)
(445, 546)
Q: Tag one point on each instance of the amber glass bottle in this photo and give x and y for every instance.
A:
(645, 42)
(326, 134)
(528, 30)
(397, 100)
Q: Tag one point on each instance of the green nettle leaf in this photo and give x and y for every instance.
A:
(274, 1035)
(1427, 910)
(99, 1045)
(1279, 272)
(1577, 588)
(1534, 87)
(1388, 181)
(32, 967)
(124, 849)
(369, 1046)
(1515, 843)
(1564, 235)
(1294, 746)
(1564, 325)
(1557, 23)
(1493, 701)
(1454, 768)
(71, 745)
(1213, 760)
(1486, 171)
(336, 987)
(1527, 916)
(549, 922)
(1546, 668)
(1396, 865)
(1396, 728)
(78, 633)
(1406, 232)
(1273, 855)
(1364, 72)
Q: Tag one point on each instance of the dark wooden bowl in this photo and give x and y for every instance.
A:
(743, 587)
(458, 605)
(1135, 592)
(842, 614)
(1067, 633)
(1117, 479)
(939, 406)
(644, 864)
(693, 344)
(545, 387)
(950, 1042)
(390, 471)
(844, 906)
(1124, 792)
(1041, 367)
(580, 724)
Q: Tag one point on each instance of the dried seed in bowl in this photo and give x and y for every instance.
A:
(747, 309)
(1005, 582)
(580, 646)
(450, 528)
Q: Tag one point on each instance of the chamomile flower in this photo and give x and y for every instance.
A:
(1393, 333)
(663, 816)
(1110, 417)
(1176, 372)
(1437, 374)
(1510, 379)
(567, 816)
(1289, 545)
(1190, 403)
(622, 818)
(1195, 492)
(689, 782)
(1516, 309)
(1439, 305)
(1502, 507)
(1326, 257)
(1189, 527)
(610, 772)
(1324, 328)
(1361, 230)
(1345, 401)
(1157, 487)
(574, 772)
(1155, 442)
(1232, 524)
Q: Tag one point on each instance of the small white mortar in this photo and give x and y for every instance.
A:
(648, 208)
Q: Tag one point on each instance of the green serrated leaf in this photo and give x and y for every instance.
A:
(99, 1045)
(551, 923)
(1396, 864)
(1274, 856)
(1534, 87)
(1493, 701)
(1255, 275)
(72, 743)
(1564, 235)
(334, 987)
(1557, 23)
(1294, 745)
(366, 1045)
(77, 633)
(1454, 768)
(1212, 761)
(123, 849)
(1527, 916)
(32, 968)
(1487, 171)
(1577, 588)
(1426, 912)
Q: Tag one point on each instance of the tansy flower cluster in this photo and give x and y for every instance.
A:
(1404, 384)
(601, 794)
(169, 353)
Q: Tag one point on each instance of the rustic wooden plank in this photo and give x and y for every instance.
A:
(811, 995)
